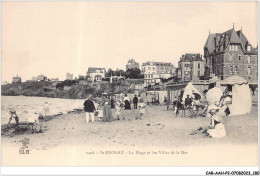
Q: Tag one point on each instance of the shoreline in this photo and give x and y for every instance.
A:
(159, 127)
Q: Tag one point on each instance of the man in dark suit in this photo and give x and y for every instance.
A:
(89, 108)
(135, 101)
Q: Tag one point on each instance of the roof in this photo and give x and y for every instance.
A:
(158, 63)
(218, 42)
(191, 57)
(232, 80)
(132, 61)
(94, 69)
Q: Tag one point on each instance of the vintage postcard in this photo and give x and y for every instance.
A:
(129, 84)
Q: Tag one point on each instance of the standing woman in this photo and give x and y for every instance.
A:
(127, 102)
(107, 113)
(112, 102)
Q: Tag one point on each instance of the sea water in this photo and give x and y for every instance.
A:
(27, 106)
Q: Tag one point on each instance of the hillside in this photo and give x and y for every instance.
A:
(45, 89)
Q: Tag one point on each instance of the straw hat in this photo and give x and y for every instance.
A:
(213, 108)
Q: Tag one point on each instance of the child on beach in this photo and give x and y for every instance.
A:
(13, 114)
(46, 110)
(100, 112)
(141, 106)
(118, 110)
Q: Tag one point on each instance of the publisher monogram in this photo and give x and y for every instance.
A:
(24, 149)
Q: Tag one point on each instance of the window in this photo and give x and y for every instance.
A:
(249, 59)
(248, 48)
(249, 70)
(231, 69)
(149, 68)
(239, 57)
(198, 73)
(235, 69)
(198, 65)
(153, 68)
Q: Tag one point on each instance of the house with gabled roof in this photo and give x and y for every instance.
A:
(230, 53)
(96, 74)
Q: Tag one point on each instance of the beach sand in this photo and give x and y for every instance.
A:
(68, 140)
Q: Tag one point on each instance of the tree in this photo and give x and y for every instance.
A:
(81, 77)
(134, 73)
(110, 72)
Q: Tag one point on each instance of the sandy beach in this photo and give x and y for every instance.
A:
(70, 137)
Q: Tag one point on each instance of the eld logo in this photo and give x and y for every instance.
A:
(24, 149)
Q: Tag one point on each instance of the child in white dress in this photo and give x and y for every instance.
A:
(118, 110)
(100, 112)
(141, 106)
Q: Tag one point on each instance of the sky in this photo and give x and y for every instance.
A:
(53, 38)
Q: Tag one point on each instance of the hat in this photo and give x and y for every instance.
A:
(212, 107)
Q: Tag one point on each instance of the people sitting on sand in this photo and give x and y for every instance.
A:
(217, 129)
(141, 106)
(13, 114)
(89, 108)
(35, 121)
(117, 110)
(107, 113)
(127, 102)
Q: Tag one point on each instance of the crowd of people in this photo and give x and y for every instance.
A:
(102, 108)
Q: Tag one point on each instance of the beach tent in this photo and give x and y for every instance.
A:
(241, 97)
(188, 90)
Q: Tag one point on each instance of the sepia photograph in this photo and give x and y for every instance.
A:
(129, 83)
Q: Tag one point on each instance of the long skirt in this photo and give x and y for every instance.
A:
(127, 104)
(107, 113)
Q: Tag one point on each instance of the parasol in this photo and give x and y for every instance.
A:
(213, 95)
